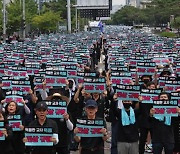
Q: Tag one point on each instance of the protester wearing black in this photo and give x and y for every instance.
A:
(127, 134)
(6, 145)
(11, 109)
(92, 145)
(42, 121)
(145, 123)
(163, 135)
(64, 126)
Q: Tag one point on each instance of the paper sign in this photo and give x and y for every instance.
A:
(89, 128)
(94, 85)
(38, 136)
(14, 122)
(165, 108)
(2, 136)
(56, 109)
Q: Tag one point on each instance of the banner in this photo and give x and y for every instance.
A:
(146, 68)
(128, 92)
(56, 109)
(165, 108)
(94, 85)
(38, 136)
(89, 128)
(14, 122)
(56, 78)
(6, 81)
(172, 86)
(176, 95)
(2, 136)
(148, 96)
(121, 78)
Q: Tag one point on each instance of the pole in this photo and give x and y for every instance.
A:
(24, 20)
(69, 15)
(76, 17)
(4, 21)
(38, 1)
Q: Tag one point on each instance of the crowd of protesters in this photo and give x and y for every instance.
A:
(135, 126)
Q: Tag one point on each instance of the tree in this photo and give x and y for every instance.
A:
(156, 13)
(46, 22)
(14, 10)
(176, 24)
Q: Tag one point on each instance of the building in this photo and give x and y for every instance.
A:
(131, 3)
(144, 3)
(138, 3)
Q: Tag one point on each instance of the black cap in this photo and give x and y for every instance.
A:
(41, 105)
(91, 103)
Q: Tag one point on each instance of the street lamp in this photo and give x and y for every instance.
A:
(4, 21)
(69, 15)
(24, 20)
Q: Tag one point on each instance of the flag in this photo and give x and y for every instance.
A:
(100, 25)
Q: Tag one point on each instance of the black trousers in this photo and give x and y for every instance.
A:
(62, 150)
(86, 151)
(142, 139)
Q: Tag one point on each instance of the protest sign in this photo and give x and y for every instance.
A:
(94, 85)
(128, 92)
(2, 136)
(56, 109)
(89, 128)
(165, 108)
(148, 95)
(14, 122)
(38, 136)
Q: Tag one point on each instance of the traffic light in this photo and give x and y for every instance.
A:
(24, 24)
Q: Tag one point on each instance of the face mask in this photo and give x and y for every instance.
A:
(146, 81)
(70, 85)
(127, 105)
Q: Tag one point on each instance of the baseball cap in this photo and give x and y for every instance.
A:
(91, 103)
(56, 95)
(41, 105)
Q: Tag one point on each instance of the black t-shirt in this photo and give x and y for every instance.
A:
(62, 132)
(6, 145)
(144, 119)
(92, 142)
(127, 133)
(48, 123)
(101, 107)
(162, 133)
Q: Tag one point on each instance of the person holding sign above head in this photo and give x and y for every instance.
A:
(145, 123)
(127, 134)
(15, 118)
(5, 136)
(163, 136)
(91, 143)
(43, 122)
(64, 126)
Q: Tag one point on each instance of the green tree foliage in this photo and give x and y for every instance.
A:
(14, 10)
(129, 15)
(46, 22)
(156, 13)
(168, 34)
(176, 24)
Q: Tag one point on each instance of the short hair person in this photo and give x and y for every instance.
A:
(43, 121)
(92, 145)
(163, 136)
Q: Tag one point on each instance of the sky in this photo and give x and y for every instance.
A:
(118, 2)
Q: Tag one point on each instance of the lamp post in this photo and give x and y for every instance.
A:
(4, 21)
(24, 20)
(69, 15)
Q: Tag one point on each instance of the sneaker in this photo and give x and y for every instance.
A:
(148, 148)
(108, 140)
